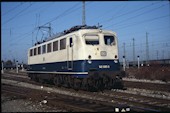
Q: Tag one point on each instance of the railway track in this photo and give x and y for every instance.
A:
(149, 86)
(138, 100)
(135, 102)
(129, 84)
(71, 103)
(145, 92)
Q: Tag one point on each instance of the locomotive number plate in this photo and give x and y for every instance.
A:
(103, 53)
(104, 66)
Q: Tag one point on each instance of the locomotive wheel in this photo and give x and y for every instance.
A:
(92, 85)
(106, 82)
(100, 84)
(66, 82)
(35, 78)
(57, 81)
(118, 84)
(71, 83)
(77, 84)
(41, 80)
(85, 85)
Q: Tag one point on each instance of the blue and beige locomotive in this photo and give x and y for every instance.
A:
(83, 57)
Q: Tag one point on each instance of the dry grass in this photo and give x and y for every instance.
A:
(151, 73)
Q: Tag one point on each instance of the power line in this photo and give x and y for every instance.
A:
(21, 36)
(125, 20)
(156, 29)
(61, 14)
(106, 13)
(75, 10)
(140, 22)
(114, 14)
(28, 33)
(5, 13)
(130, 12)
(143, 44)
(17, 14)
(42, 9)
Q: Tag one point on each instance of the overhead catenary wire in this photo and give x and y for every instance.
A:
(130, 12)
(106, 21)
(107, 12)
(37, 8)
(59, 16)
(150, 43)
(140, 22)
(74, 10)
(125, 20)
(16, 15)
(13, 9)
(155, 29)
(42, 9)
(66, 11)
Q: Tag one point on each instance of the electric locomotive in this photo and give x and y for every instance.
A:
(83, 57)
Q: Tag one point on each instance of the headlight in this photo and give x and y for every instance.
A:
(89, 61)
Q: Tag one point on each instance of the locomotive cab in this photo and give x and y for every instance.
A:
(100, 51)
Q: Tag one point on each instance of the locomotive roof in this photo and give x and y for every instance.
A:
(72, 29)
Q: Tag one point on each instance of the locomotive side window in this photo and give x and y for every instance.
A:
(48, 47)
(109, 40)
(39, 50)
(43, 49)
(35, 51)
(92, 39)
(55, 46)
(62, 44)
(31, 52)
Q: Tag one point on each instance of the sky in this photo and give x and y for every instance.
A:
(129, 19)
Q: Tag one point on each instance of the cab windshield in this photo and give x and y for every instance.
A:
(109, 40)
(92, 40)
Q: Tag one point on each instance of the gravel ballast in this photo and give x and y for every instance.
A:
(16, 104)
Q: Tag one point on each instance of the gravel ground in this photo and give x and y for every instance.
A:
(49, 89)
(145, 80)
(15, 104)
(157, 94)
(144, 92)
(21, 105)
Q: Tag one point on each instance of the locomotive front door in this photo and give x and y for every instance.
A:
(70, 54)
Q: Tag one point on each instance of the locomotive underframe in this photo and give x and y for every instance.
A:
(94, 81)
